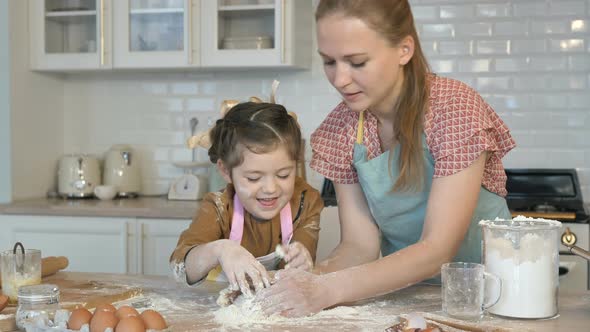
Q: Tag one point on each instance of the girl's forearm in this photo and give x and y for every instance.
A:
(202, 259)
(396, 271)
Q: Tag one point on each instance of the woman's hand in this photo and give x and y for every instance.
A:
(296, 293)
(297, 257)
(237, 263)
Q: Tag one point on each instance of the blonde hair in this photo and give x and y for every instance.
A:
(393, 20)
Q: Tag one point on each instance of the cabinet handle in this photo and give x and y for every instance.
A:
(101, 33)
(283, 34)
(189, 43)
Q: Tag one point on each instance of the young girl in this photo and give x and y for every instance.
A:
(235, 232)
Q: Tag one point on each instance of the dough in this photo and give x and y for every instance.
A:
(228, 296)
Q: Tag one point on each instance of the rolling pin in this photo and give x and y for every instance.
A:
(50, 265)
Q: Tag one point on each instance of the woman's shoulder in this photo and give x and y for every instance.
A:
(336, 131)
(332, 145)
(447, 93)
(339, 121)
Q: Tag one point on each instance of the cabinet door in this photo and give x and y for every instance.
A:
(242, 33)
(90, 244)
(69, 35)
(158, 240)
(155, 33)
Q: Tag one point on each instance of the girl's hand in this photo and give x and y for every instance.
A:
(297, 257)
(238, 264)
(296, 293)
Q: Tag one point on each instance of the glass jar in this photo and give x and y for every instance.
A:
(19, 268)
(37, 305)
(524, 253)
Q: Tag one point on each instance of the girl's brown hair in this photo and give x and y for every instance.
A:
(393, 20)
(258, 127)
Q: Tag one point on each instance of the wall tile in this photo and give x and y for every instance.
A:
(530, 60)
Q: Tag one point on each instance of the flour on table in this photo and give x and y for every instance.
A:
(245, 312)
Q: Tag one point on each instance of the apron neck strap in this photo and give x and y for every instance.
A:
(359, 128)
(237, 225)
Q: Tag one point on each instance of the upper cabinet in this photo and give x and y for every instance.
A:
(256, 33)
(155, 33)
(70, 35)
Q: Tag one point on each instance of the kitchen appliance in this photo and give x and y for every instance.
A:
(555, 194)
(121, 169)
(77, 175)
(189, 186)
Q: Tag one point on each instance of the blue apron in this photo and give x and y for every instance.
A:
(400, 216)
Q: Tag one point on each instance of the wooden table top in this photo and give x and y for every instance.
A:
(194, 309)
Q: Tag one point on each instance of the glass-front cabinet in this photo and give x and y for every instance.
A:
(255, 33)
(70, 34)
(155, 33)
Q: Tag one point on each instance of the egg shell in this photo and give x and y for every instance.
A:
(153, 320)
(130, 324)
(126, 311)
(78, 318)
(103, 320)
(105, 307)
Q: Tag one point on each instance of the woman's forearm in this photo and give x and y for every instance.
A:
(344, 256)
(202, 259)
(396, 271)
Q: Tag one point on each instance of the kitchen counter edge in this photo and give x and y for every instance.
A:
(141, 207)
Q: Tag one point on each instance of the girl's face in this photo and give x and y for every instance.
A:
(360, 63)
(264, 182)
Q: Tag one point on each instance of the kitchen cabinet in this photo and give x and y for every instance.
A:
(91, 244)
(73, 35)
(157, 240)
(70, 35)
(156, 34)
(96, 244)
(256, 33)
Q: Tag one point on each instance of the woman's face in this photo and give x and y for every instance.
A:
(264, 182)
(360, 63)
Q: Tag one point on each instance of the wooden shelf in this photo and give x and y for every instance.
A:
(246, 7)
(65, 13)
(156, 11)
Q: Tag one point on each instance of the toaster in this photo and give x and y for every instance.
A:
(77, 175)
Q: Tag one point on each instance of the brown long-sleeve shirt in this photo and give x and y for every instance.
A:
(213, 222)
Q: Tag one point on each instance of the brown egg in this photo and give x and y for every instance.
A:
(3, 301)
(105, 307)
(78, 318)
(103, 320)
(153, 320)
(130, 324)
(126, 311)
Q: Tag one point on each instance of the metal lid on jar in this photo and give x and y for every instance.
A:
(44, 293)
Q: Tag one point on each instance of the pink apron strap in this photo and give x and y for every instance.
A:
(237, 221)
(286, 224)
(237, 225)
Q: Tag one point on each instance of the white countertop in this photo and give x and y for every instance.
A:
(143, 207)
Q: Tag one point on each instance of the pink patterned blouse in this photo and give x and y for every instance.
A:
(459, 126)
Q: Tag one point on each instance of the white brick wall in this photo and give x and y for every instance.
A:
(530, 59)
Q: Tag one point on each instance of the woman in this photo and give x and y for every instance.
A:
(415, 160)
